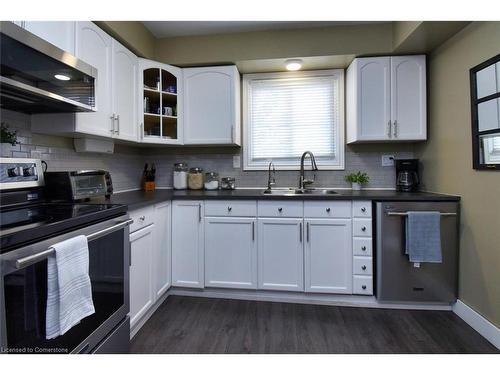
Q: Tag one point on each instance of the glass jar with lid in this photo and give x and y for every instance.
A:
(228, 183)
(180, 176)
(211, 181)
(195, 178)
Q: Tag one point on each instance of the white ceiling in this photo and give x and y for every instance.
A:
(164, 29)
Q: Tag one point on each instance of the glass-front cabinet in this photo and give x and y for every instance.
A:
(160, 119)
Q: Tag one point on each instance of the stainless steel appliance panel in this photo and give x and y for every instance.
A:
(397, 279)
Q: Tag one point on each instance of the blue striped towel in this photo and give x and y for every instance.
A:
(69, 293)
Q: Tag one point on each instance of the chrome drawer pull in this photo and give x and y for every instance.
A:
(328, 209)
(229, 208)
(363, 229)
(363, 268)
(363, 209)
(363, 248)
(363, 287)
(280, 209)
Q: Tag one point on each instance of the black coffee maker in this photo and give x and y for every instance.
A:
(407, 178)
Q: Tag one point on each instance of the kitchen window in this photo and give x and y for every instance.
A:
(285, 114)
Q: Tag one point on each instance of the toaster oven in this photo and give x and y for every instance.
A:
(78, 185)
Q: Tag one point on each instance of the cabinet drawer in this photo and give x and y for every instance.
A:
(362, 227)
(362, 246)
(280, 209)
(142, 218)
(231, 208)
(362, 285)
(326, 209)
(362, 209)
(362, 266)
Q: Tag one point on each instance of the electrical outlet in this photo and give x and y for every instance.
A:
(236, 161)
(387, 160)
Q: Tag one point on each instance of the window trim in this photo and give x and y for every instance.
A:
(248, 78)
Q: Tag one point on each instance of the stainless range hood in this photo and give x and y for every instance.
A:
(38, 77)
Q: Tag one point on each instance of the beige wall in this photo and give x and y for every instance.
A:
(337, 40)
(133, 34)
(447, 158)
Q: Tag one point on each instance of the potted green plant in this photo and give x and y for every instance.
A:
(7, 136)
(357, 179)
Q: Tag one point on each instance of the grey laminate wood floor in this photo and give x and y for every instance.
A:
(206, 325)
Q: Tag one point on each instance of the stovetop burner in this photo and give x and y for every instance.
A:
(28, 223)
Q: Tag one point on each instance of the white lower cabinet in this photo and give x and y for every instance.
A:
(187, 244)
(280, 254)
(141, 280)
(328, 256)
(162, 249)
(230, 252)
(150, 262)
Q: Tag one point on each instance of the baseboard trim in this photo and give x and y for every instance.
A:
(305, 298)
(137, 326)
(482, 325)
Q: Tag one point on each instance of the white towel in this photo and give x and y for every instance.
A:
(69, 293)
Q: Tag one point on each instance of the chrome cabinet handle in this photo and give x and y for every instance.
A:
(300, 231)
(199, 212)
(307, 232)
(363, 287)
(328, 209)
(363, 248)
(118, 124)
(112, 117)
(280, 209)
(229, 209)
(363, 229)
(389, 129)
(395, 129)
(363, 268)
(253, 230)
(363, 209)
(142, 218)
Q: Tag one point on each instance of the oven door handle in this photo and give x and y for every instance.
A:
(31, 259)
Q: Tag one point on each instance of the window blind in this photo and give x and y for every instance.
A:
(288, 116)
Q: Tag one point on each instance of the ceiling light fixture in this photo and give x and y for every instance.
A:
(293, 64)
(62, 77)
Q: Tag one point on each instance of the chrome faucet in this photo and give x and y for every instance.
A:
(271, 181)
(302, 181)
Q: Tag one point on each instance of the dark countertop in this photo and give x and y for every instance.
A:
(138, 198)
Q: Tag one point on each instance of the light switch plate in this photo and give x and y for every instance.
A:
(236, 161)
(387, 160)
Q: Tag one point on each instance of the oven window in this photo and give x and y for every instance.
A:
(85, 183)
(26, 298)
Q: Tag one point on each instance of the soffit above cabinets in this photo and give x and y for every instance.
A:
(308, 63)
(168, 29)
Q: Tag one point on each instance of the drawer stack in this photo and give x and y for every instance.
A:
(362, 248)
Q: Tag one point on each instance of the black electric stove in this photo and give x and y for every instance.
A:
(26, 224)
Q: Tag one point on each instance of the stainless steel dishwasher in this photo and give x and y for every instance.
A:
(398, 280)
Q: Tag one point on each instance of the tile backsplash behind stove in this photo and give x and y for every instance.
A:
(127, 163)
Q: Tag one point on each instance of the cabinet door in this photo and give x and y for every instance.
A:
(280, 254)
(211, 109)
(408, 98)
(94, 47)
(187, 244)
(141, 283)
(162, 257)
(373, 98)
(124, 88)
(328, 256)
(230, 252)
(59, 33)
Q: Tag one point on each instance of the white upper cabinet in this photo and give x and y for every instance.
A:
(124, 93)
(160, 103)
(94, 47)
(408, 98)
(386, 99)
(212, 105)
(59, 33)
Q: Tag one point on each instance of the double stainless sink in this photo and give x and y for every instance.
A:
(296, 191)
